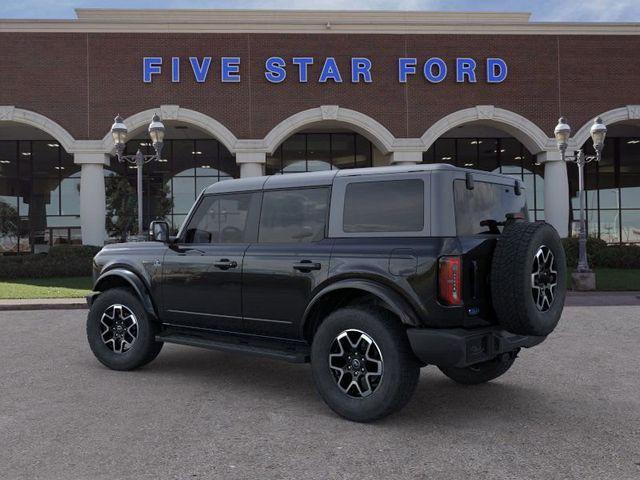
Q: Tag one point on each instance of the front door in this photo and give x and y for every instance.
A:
(290, 259)
(202, 272)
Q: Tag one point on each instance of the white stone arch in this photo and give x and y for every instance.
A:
(629, 112)
(373, 130)
(10, 113)
(521, 128)
(180, 114)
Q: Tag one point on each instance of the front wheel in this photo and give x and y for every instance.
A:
(119, 331)
(482, 372)
(362, 364)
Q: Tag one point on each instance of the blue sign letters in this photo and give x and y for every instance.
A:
(434, 69)
(496, 70)
(200, 71)
(429, 70)
(275, 71)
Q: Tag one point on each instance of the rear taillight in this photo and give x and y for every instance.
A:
(450, 280)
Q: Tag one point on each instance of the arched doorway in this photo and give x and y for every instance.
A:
(483, 147)
(192, 159)
(323, 147)
(39, 190)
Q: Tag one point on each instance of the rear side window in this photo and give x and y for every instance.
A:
(228, 218)
(384, 206)
(294, 216)
(487, 201)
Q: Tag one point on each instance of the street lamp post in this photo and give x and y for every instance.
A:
(119, 133)
(562, 133)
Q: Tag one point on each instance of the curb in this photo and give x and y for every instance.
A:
(43, 304)
(574, 299)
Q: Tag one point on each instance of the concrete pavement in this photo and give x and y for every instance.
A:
(569, 408)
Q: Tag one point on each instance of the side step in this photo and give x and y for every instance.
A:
(289, 351)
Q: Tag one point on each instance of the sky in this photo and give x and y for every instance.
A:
(542, 10)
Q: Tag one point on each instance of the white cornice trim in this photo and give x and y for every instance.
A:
(296, 16)
(302, 21)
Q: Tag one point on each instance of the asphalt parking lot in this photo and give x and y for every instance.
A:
(568, 409)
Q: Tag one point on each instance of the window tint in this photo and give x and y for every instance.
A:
(294, 216)
(387, 206)
(224, 219)
(487, 201)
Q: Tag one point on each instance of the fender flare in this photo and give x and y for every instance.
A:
(393, 300)
(133, 280)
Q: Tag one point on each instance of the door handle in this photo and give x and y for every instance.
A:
(306, 266)
(225, 264)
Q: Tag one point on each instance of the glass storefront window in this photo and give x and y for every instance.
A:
(318, 151)
(489, 152)
(445, 151)
(467, 152)
(612, 186)
(39, 192)
(511, 156)
(343, 150)
(307, 152)
(294, 154)
(186, 168)
(630, 224)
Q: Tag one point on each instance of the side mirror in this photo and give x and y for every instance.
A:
(159, 231)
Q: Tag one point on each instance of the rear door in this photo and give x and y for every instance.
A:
(202, 273)
(289, 260)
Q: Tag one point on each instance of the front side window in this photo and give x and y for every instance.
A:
(486, 202)
(224, 219)
(294, 216)
(384, 206)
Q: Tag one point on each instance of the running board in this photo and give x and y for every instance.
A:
(275, 349)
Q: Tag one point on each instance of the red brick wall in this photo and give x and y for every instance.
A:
(82, 80)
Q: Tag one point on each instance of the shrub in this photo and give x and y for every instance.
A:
(599, 254)
(61, 261)
(618, 256)
(571, 249)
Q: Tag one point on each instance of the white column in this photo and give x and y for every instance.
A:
(251, 163)
(405, 158)
(92, 197)
(556, 191)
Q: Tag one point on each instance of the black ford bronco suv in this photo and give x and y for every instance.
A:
(369, 274)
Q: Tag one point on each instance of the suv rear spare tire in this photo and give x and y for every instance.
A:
(528, 278)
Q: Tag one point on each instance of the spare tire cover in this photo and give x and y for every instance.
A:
(529, 278)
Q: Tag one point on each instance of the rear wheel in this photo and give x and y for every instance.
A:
(119, 331)
(482, 372)
(362, 364)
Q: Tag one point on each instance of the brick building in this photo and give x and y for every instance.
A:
(266, 92)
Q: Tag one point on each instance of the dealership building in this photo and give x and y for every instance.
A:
(246, 93)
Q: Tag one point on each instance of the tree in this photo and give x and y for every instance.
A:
(9, 221)
(122, 207)
(122, 212)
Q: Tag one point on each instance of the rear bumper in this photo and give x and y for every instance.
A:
(459, 347)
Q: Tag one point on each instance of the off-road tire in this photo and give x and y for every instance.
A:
(511, 278)
(400, 368)
(482, 372)
(145, 347)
